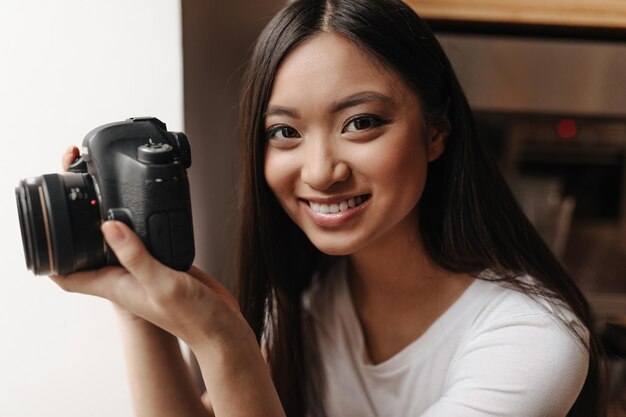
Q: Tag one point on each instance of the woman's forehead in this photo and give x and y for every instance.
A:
(330, 66)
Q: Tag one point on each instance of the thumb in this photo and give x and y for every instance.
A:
(130, 251)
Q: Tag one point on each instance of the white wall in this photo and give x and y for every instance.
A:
(67, 66)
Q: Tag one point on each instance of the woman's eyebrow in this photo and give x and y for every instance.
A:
(359, 98)
(350, 101)
(281, 111)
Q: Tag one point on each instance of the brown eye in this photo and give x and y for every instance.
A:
(282, 132)
(362, 123)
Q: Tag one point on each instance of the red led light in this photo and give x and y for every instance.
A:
(93, 202)
(566, 128)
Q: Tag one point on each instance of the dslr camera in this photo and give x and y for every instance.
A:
(133, 171)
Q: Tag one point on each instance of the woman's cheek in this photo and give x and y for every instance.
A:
(280, 172)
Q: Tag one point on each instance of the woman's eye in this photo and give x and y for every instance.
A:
(282, 132)
(362, 123)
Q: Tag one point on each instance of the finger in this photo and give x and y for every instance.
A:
(68, 157)
(113, 283)
(93, 282)
(131, 253)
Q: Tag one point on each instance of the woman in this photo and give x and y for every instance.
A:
(384, 266)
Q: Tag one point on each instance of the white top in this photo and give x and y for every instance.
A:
(494, 352)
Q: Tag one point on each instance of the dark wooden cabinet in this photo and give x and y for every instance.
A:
(569, 13)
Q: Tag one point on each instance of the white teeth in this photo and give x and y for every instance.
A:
(336, 207)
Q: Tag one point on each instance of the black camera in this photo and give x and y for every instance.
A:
(133, 171)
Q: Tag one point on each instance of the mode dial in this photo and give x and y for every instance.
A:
(155, 153)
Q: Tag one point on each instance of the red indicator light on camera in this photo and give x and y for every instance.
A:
(566, 128)
(93, 202)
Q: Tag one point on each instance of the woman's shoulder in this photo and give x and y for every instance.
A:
(521, 354)
(503, 301)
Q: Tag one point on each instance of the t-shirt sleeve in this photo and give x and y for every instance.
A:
(528, 365)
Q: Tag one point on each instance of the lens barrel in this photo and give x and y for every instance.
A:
(60, 221)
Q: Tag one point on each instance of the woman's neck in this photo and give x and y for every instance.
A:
(398, 292)
(396, 264)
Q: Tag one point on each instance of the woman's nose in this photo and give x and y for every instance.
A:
(322, 167)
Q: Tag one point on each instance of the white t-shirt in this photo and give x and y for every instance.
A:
(494, 352)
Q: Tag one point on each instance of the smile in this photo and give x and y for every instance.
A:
(339, 206)
(337, 213)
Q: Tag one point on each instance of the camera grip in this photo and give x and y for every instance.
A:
(169, 235)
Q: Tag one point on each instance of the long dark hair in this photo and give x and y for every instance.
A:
(469, 220)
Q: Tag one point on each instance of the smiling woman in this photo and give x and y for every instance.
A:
(384, 263)
(384, 266)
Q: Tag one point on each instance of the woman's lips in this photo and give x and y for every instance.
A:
(335, 214)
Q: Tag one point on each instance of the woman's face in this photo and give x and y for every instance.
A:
(347, 147)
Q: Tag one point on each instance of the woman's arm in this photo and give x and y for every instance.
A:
(193, 307)
(161, 385)
(238, 380)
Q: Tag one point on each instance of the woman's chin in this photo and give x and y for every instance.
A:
(335, 247)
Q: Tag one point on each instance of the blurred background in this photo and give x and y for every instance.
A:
(546, 80)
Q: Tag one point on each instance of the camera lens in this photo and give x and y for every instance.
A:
(60, 221)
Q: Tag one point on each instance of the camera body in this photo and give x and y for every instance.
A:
(140, 170)
(132, 171)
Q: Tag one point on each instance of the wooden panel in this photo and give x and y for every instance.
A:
(588, 13)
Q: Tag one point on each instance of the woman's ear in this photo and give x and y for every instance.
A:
(437, 141)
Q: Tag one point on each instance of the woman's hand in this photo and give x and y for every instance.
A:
(192, 305)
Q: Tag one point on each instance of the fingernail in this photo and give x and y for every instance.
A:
(113, 233)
